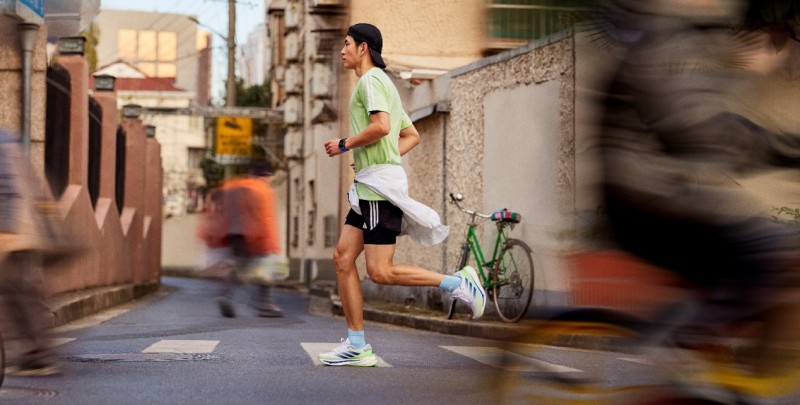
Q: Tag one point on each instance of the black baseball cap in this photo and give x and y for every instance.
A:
(370, 34)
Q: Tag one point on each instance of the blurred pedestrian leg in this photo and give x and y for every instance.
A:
(26, 222)
(21, 290)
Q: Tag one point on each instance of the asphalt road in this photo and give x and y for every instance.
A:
(173, 347)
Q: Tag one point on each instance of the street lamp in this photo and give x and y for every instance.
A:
(230, 86)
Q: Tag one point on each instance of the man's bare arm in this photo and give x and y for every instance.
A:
(378, 128)
(409, 138)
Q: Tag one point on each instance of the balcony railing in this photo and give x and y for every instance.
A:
(516, 22)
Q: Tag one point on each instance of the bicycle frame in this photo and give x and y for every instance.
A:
(475, 248)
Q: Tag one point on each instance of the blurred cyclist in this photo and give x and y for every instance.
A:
(688, 112)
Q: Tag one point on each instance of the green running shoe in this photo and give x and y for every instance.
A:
(470, 291)
(348, 355)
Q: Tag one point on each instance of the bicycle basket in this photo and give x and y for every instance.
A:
(505, 215)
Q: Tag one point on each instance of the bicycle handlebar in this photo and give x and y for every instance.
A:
(455, 198)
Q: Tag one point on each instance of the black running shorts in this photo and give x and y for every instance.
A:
(380, 220)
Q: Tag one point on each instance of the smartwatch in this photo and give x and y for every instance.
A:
(341, 145)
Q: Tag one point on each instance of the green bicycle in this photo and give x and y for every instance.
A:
(507, 276)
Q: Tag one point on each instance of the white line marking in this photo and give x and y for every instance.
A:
(60, 341)
(506, 360)
(637, 360)
(182, 346)
(315, 349)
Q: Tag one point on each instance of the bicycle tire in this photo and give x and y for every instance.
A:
(462, 261)
(515, 265)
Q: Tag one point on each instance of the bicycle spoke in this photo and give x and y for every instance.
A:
(514, 288)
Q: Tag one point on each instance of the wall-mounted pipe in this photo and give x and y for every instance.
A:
(27, 39)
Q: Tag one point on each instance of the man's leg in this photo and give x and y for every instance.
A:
(350, 245)
(354, 351)
(465, 287)
(382, 270)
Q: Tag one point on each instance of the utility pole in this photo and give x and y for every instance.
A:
(230, 99)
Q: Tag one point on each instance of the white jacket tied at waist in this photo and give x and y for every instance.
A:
(420, 222)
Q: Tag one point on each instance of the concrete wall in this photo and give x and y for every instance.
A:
(511, 145)
(423, 33)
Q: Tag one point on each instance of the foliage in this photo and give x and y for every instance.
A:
(213, 172)
(92, 35)
(787, 216)
(254, 96)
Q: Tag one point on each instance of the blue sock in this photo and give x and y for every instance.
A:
(356, 338)
(450, 283)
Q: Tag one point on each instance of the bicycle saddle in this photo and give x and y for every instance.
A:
(505, 215)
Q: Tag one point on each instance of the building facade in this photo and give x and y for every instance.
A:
(312, 90)
(253, 59)
(163, 62)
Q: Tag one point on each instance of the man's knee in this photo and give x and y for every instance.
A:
(343, 260)
(380, 273)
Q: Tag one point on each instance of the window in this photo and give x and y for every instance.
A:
(126, 44)
(312, 215)
(147, 68)
(331, 231)
(148, 46)
(295, 231)
(167, 46)
(196, 156)
(167, 70)
(152, 52)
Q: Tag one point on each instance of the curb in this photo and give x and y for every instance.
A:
(325, 302)
(68, 307)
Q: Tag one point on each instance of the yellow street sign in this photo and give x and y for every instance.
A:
(234, 137)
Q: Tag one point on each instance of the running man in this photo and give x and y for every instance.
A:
(381, 132)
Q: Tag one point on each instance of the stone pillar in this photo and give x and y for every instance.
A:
(79, 118)
(114, 264)
(153, 211)
(132, 216)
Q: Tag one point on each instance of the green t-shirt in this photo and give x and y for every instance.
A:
(376, 92)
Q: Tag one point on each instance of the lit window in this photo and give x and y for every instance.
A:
(167, 70)
(147, 45)
(148, 69)
(126, 44)
(167, 46)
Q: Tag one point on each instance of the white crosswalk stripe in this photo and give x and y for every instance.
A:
(60, 341)
(517, 361)
(506, 360)
(182, 346)
(314, 349)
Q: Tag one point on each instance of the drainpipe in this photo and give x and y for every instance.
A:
(27, 35)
